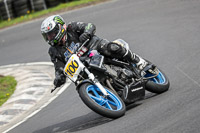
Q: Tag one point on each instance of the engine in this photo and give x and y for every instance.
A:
(123, 75)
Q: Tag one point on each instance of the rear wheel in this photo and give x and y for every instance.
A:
(158, 84)
(111, 106)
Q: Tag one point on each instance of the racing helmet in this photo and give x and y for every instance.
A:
(53, 29)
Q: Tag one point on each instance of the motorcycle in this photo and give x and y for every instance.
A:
(107, 85)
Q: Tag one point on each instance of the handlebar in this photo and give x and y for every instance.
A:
(82, 45)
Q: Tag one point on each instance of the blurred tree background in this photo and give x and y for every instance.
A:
(17, 11)
(10, 9)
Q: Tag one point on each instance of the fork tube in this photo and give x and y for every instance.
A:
(96, 82)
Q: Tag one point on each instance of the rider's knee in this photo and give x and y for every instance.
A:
(114, 48)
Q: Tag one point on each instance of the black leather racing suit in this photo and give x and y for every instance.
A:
(103, 46)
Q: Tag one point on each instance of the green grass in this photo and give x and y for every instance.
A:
(33, 15)
(7, 87)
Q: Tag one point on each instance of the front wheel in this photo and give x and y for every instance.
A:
(111, 106)
(159, 84)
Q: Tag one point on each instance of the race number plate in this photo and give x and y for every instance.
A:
(73, 67)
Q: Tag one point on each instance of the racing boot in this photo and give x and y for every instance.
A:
(137, 60)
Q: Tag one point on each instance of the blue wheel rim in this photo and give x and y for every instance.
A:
(160, 79)
(111, 102)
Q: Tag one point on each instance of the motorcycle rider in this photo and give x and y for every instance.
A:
(59, 36)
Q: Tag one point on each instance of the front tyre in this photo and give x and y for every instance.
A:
(111, 106)
(158, 84)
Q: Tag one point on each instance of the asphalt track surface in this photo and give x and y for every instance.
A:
(163, 31)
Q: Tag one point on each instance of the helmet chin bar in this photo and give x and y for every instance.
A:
(61, 42)
(51, 43)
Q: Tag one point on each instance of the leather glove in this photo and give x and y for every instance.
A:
(83, 37)
(59, 80)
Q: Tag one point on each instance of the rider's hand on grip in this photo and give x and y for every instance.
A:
(83, 37)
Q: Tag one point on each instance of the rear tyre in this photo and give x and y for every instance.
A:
(158, 84)
(111, 106)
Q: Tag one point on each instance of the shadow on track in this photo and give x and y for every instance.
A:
(76, 124)
(80, 123)
(84, 122)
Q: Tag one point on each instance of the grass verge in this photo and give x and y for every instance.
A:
(60, 8)
(7, 88)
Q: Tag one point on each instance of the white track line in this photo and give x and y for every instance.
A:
(27, 64)
(49, 101)
(35, 112)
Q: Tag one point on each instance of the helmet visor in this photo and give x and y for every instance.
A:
(50, 36)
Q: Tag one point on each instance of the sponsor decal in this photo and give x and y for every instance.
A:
(88, 26)
(59, 20)
(82, 51)
(136, 89)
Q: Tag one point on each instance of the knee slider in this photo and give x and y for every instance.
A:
(114, 47)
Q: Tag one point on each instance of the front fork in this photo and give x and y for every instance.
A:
(96, 82)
